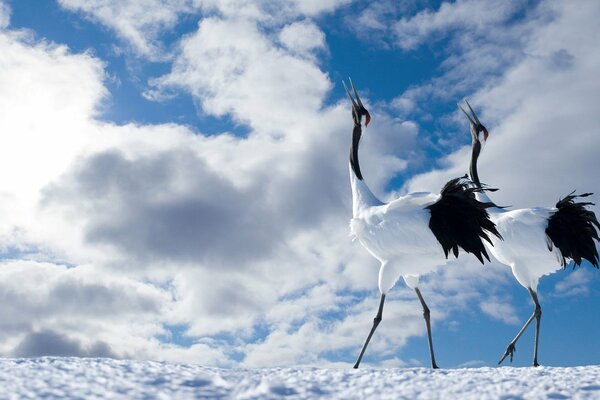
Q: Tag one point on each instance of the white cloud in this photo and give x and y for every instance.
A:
(137, 22)
(474, 17)
(575, 284)
(233, 68)
(223, 237)
(47, 96)
(302, 37)
(82, 310)
(141, 23)
(499, 309)
(4, 15)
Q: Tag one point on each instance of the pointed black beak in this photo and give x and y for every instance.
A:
(356, 103)
(474, 120)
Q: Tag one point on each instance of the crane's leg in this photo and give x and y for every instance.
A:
(538, 318)
(537, 314)
(376, 322)
(428, 324)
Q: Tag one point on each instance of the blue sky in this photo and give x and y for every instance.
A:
(175, 175)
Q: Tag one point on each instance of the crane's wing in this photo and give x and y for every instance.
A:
(572, 229)
(459, 220)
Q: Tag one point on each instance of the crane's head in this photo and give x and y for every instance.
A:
(479, 133)
(358, 110)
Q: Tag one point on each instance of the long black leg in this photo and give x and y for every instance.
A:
(538, 318)
(428, 324)
(376, 322)
(537, 314)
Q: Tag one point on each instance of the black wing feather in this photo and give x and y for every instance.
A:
(572, 229)
(459, 220)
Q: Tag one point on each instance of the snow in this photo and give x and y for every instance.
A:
(55, 377)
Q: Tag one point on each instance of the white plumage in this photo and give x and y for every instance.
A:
(397, 234)
(525, 245)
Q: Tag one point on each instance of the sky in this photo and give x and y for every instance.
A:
(174, 177)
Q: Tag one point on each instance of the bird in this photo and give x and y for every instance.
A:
(536, 241)
(413, 234)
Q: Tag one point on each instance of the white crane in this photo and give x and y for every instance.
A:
(536, 241)
(411, 234)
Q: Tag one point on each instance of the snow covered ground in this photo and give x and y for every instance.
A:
(52, 377)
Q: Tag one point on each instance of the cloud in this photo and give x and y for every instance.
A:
(49, 343)
(4, 15)
(138, 23)
(168, 206)
(74, 311)
(481, 41)
(129, 229)
(575, 284)
(499, 309)
(302, 38)
(141, 25)
(233, 68)
(242, 242)
(464, 16)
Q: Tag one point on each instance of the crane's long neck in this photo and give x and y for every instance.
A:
(475, 151)
(362, 197)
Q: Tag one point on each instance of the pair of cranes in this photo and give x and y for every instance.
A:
(411, 235)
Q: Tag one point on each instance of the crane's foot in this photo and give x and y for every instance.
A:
(434, 366)
(509, 352)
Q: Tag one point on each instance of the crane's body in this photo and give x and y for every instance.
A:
(525, 247)
(536, 241)
(413, 234)
(398, 235)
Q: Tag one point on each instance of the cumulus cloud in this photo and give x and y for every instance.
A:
(242, 242)
(175, 226)
(233, 68)
(302, 37)
(57, 310)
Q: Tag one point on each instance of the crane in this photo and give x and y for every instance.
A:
(536, 241)
(411, 235)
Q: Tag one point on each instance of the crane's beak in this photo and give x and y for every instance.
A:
(473, 112)
(485, 132)
(356, 103)
(467, 115)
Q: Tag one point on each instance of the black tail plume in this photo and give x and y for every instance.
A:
(458, 219)
(572, 229)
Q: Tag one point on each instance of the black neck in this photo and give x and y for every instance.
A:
(476, 149)
(356, 133)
